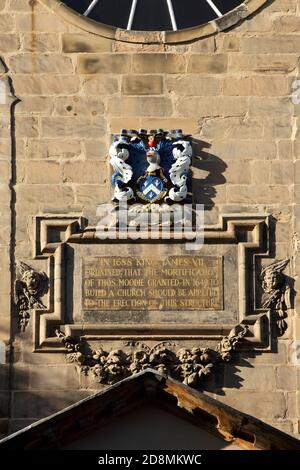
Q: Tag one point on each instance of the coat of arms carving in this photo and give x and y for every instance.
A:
(151, 167)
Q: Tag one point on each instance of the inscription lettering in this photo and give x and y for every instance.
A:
(173, 283)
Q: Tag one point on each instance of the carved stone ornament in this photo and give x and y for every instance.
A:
(276, 293)
(150, 167)
(30, 286)
(189, 366)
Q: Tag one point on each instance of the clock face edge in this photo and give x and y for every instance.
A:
(228, 20)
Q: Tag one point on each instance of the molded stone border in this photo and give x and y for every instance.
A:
(157, 37)
(54, 233)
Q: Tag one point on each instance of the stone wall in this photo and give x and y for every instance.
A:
(230, 90)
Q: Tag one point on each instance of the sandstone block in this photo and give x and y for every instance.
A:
(268, 45)
(44, 21)
(264, 194)
(230, 149)
(20, 377)
(158, 63)
(205, 45)
(260, 378)
(100, 85)
(26, 126)
(90, 195)
(40, 42)
(4, 404)
(54, 377)
(7, 23)
(78, 106)
(231, 127)
(287, 23)
(85, 43)
(284, 6)
(212, 106)
(73, 127)
(41, 63)
(26, 6)
(142, 85)
(41, 172)
(35, 104)
(286, 378)
(216, 63)
(4, 377)
(192, 85)
(227, 43)
(96, 149)
(42, 404)
(259, 23)
(256, 86)
(104, 63)
(282, 172)
(130, 106)
(270, 106)
(86, 172)
(262, 405)
(297, 171)
(46, 84)
(9, 42)
(31, 197)
(260, 170)
(263, 63)
(55, 149)
(280, 126)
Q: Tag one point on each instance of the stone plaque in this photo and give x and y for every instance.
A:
(136, 283)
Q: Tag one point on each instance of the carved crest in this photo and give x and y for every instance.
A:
(151, 167)
(30, 286)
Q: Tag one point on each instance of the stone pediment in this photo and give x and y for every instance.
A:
(225, 425)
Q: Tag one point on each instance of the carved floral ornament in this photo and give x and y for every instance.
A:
(189, 366)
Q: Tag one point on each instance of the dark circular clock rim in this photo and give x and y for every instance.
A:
(168, 37)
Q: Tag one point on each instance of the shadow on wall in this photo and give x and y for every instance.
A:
(208, 172)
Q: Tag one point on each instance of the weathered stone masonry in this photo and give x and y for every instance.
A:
(231, 90)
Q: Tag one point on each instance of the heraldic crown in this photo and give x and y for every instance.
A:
(151, 166)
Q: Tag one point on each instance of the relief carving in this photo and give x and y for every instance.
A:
(276, 293)
(189, 366)
(30, 286)
(151, 166)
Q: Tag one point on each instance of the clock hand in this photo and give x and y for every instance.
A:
(91, 7)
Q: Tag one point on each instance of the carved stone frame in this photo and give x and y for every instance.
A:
(54, 233)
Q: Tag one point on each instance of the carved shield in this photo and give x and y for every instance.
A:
(151, 189)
